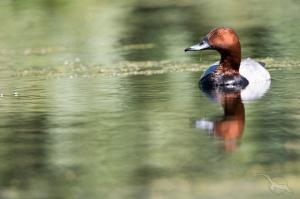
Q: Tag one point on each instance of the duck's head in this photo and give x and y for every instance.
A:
(225, 41)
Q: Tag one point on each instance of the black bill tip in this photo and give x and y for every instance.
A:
(187, 49)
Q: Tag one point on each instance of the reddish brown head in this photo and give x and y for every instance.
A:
(226, 42)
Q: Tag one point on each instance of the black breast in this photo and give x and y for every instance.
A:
(226, 82)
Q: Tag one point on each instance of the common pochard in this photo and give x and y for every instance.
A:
(230, 72)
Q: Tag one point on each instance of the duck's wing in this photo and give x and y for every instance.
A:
(210, 69)
(262, 63)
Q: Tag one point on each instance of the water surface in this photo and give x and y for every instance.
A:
(98, 100)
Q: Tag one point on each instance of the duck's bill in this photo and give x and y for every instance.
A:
(202, 45)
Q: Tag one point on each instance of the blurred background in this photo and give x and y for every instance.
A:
(98, 99)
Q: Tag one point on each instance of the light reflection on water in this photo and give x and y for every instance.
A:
(107, 99)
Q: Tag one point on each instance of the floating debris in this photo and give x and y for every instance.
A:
(79, 69)
(43, 50)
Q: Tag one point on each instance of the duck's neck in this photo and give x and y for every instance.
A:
(230, 63)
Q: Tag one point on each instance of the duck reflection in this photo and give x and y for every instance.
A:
(230, 127)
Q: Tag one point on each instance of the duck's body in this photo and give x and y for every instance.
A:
(230, 72)
(254, 71)
(250, 72)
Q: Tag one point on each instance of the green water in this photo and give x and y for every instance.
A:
(98, 100)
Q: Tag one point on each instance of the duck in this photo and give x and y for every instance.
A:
(230, 72)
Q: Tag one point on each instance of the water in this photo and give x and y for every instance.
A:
(98, 100)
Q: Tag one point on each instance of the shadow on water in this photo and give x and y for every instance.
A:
(25, 149)
(259, 43)
(28, 157)
(160, 26)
